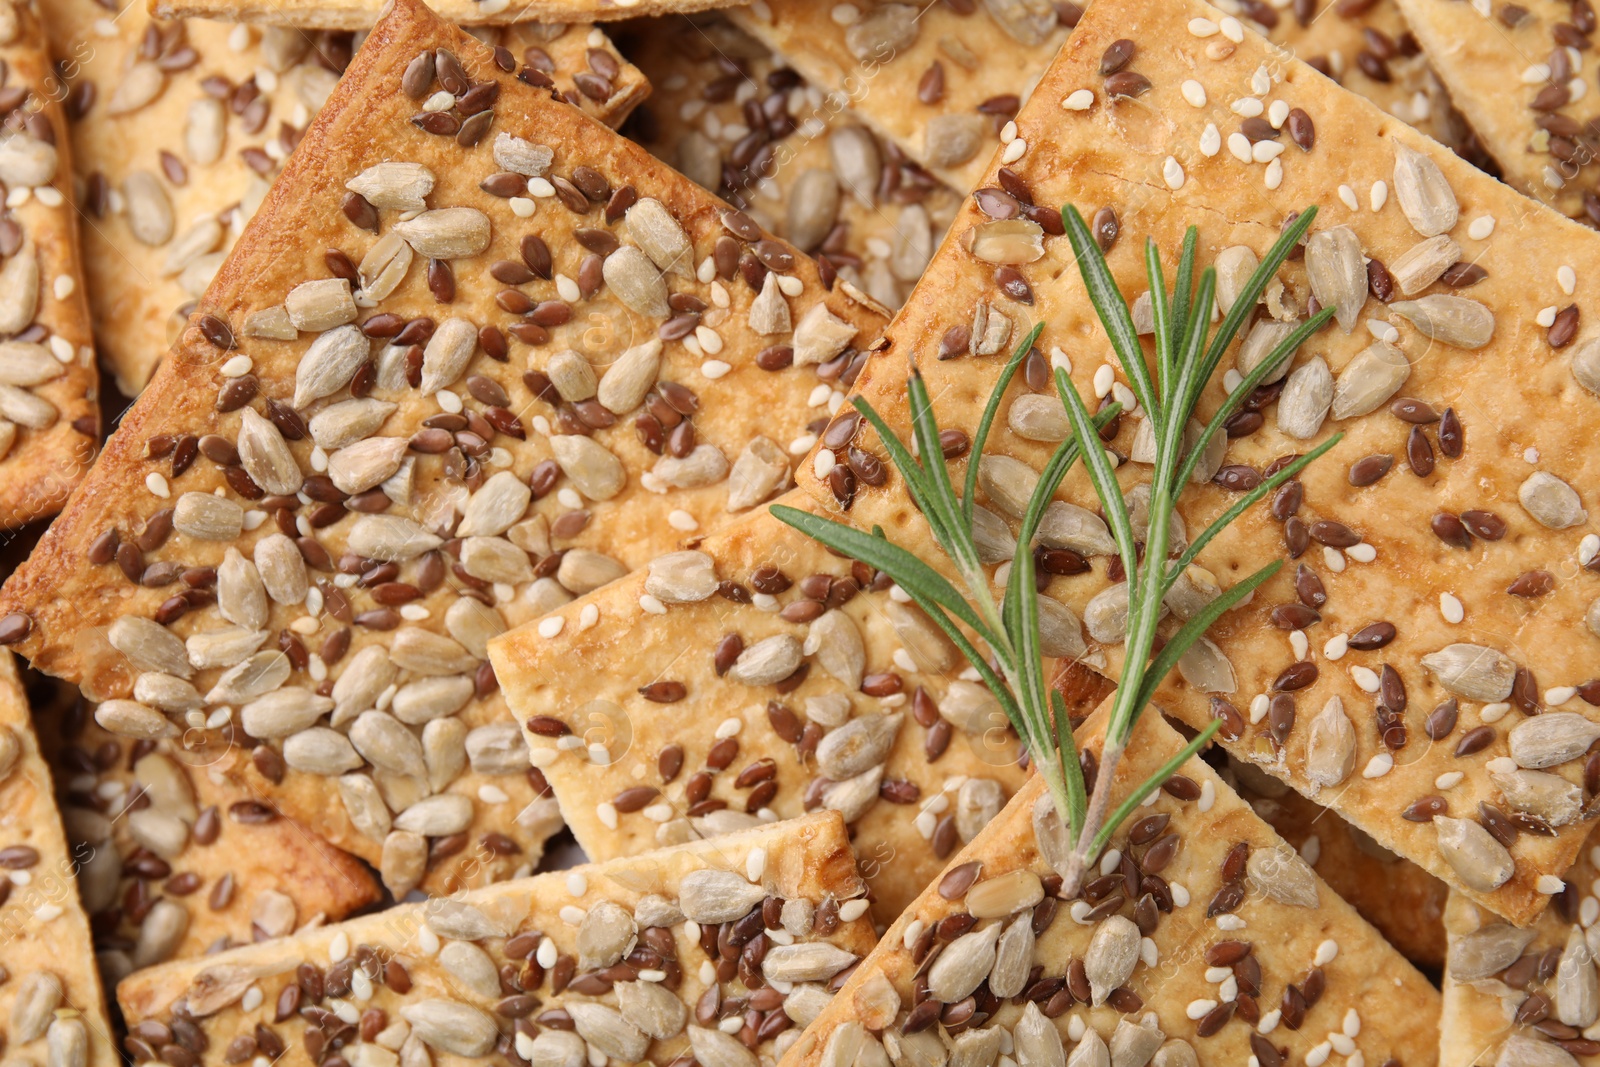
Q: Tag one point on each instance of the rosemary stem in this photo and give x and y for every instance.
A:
(1099, 804)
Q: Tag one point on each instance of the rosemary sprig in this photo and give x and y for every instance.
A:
(1186, 356)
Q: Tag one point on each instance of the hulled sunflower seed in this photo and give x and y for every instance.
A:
(1423, 193)
(128, 718)
(1106, 614)
(636, 281)
(1280, 873)
(320, 751)
(390, 538)
(446, 233)
(1069, 526)
(713, 1048)
(1258, 344)
(769, 311)
(760, 471)
(321, 304)
(425, 652)
(1472, 671)
(444, 749)
(394, 186)
(24, 408)
(1113, 953)
(1204, 666)
(1060, 632)
(1552, 502)
(165, 692)
(447, 354)
(595, 471)
(23, 363)
(1481, 862)
(1455, 320)
(1008, 483)
(1586, 365)
(403, 862)
(1235, 264)
(1037, 1041)
(852, 797)
(1577, 984)
(254, 676)
(386, 744)
(1305, 400)
(813, 207)
(1037, 417)
(706, 465)
(282, 569)
(964, 963)
(368, 673)
(365, 806)
(265, 455)
(270, 324)
(682, 577)
(348, 422)
(451, 1026)
(857, 161)
(497, 749)
(383, 268)
(1338, 273)
(654, 229)
(149, 212)
(970, 707)
(1005, 241)
(1367, 382)
(1331, 747)
(471, 966)
(208, 518)
(951, 139)
(1134, 1043)
(653, 1009)
(820, 336)
(1550, 797)
(436, 816)
(813, 961)
(626, 381)
(283, 712)
(1550, 739)
(67, 1043)
(474, 624)
(858, 745)
(924, 642)
(330, 363)
(840, 649)
(197, 242)
(1486, 951)
(149, 646)
(494, 559)
(34, 1005)
(582, 571)
(716, 896)
(1423, 263)
(241, 597)
(768, 661)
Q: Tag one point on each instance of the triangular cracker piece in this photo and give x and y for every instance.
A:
(360, 14)
(1516, 73)
(810, 172)
(758, 677)
(177, 866)
(51, 997)
(1451, 537)
(717, 949)
(49, 392)
(306, 536)
(1207, 940)
(1402, 900)
(1515, 997)
(179, 128)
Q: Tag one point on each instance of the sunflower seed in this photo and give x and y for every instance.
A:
(34, 1006)
(474, 624)
(1337, 273)
(1259, 343)
(964, 963)
(205, 130)
(1133, 1044)
(1280, 873)
(1481, 862)
(682, 577)
(1586, 365)
(889, 29)
(322, 304)
(651, 1008)
(365, 806)
(1037, 1041)
(26, 364)
(1331, 748)
(1060, 632)
(706, 465)
(1143, 449)
(820, 336)
(241, 598)
(403, 862)
(128, 718)
(970, 707)
(1486, 951)
(927, 646)
(208, 518)
(358, 686)
(1577, 984)
(1550, 797)
(1367, 382)
(197, 242)
(1235, 264)
(856, 159)
(1003, 241)
(496, 749)
(394, 186)
(1422, 192)
(858, 745)
(494, 559)
(149, 646)
(270, 324)
(653, 228)
(814, 961)
(1423, 263)
(635, 280)
(436, 816)
(322, 751)
(1455, 320)
(390, 538)
(19, 296)
(1106, 614)
(769, 311)
(1473, 671)
(713, 1048)
(443, 748)
(949, 140)
(1113, 953)
(974, 1048)
(165, 692)
(852, 797)
(839, 649)
(583, 571)
(165, 835)
(384, 267)
(283, 712)
(767, 662)
(386, 744)
(447, 354)
(67, 1043)
(1552, 502)
(1069, 526)
(627, 380)
(1551, 739)
(451, 1026)
(521, 156)
(426, 652)
(813, 207)
(1008, 483)
(265, 455)
(149, 211)
(595, 471)
(1204, 666)
(558, 1048)
(348, 421)
(1037, 417)
(446, 233)
(760, 471)
(1305, 400)
(24, 408)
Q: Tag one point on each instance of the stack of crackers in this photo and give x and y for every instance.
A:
(402, 662)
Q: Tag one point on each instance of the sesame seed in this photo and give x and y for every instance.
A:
(492, 794)
(522, 208)
(1567, 278)
(715, 368)
(1559, 695)
(414, 612)
(569, 498)
(339, 947)
(1481, 227)
(541, 188)
(156, 482)
(588, 616)
(1493, 713)
(1546, 316)
(64, 285)
(1366, 678)
(1451, 608)
(824, 462)
(1265, 151)
(552, 626)
(1076, 1027)
(1180, 894)
(729, 727)
(1202, 27)
(652, 605)
(1278, 113)
(1379, 195)
(1194, 93)
(1588, 549)
(606, 812)
(1448, 780)
(1199, 1009)
(1501, 765)
(1336, 647)
(851, 910)
(1258, 708)
(1013, 151)
(1172, 173)
(1078, 100)
(449, 401)
(1378, 766)
(1232, 29)
(1362, 552)
(1230, 922)
(1208, 795)
(1105, 376)
(1210, 140)
(1214, 975)
(1333, 558)
(1352, 1018)
(1383, 331)
(1269, 1022)
(1247, 107)
(1274, 175)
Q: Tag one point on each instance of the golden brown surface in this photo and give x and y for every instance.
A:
(51, 997)
(1497, 60)
(1520, 406)
(809, 172)
(208, 112)
(592, 675)
(805, 860)
(48, 437)
(360, 14)
(366, 122)
(1395, 1009)
(234, 873)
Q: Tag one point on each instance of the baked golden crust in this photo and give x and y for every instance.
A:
(51, 999)
(572, 946)
(810, 173)
(1496, 61)
(696, 743)
(204, 114)
(360, 14)
(1372, 1005)
(371, 578)
(233, 873)
(50, 414)
(1519, 400)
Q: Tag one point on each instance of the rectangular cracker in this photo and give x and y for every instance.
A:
(513, 968)
(1517, 996)
(50, 403)
(808, 172)
(686, 749)
(225, 873)
(51, 1000)
(1496, 61)
(361, 14)
(145, 98)
(1128, 156)
(1235, 889)
(420, 602)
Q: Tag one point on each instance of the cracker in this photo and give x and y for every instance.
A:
(211, 172)
(1496, 60)
(50, 411)
(1511, 995)
(233, 872)
(1171, 982)
(51, 1001)
(808, 171)
(1522, 408)
(406, 593)
(1402, 900)
(512, 968)
(360, 14)
(683, 741)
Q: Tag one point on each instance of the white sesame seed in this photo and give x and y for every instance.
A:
(1208, 795)
(552, 626)
(606, 812)
(1199, 1009)
(1228, 990)
(1202, 27)
(541, 188)
(1493, 713)
(1550, 884)
(1104, 378)
(1274, 175)
(679, 519)
(1076, 1027)
(1352, 1020)
(1332, 558)
(1383, 331)
(1194, 93)
(1110, 861)
(1341, 1043)
(1326, 952)
(1362, 552)
(1588, 549)
(64, 285)
(1258, 708)
(449, 401)
(1379, 195)
(851, 910)
(567, 289)
(1319, 1054)
(1299, 643)
(1481, 227)
(1559, 695)
(1247, 107)
(652, 605)
(1567, 278)
(1078, 100)
(1378, 766)
(1172, 173)
(1451, 608)
(1266, 151)
(1239, 145)
(1348, 195)
(236, 367)
(62, 349)
(1546, 316)
(1278, 113)
(1336, 647)
(1311, 849)
(1261, 81)
(729, 727)
(492, 794)
(1180, 894)
(1589, 912)
(588, 616)
(339, 947)
(156, 482)
(823, 463)
(1232, 29)
(548, 954)
(1210, 140)
(819, 395)
(1366, 678)
(1448, 780)
(1215, 975)
(1230, 922)
(1231, 380)
(714, 369)
(1080, 912)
